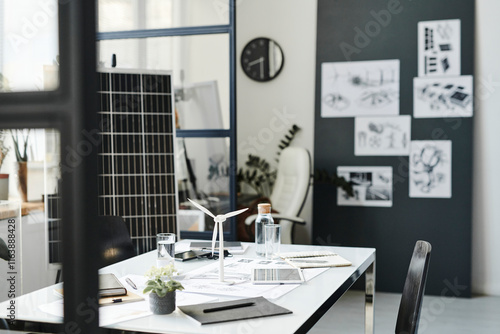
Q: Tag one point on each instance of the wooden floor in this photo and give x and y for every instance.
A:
(478, 315)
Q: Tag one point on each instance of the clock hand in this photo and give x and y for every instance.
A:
(261, 59)
(262, 70)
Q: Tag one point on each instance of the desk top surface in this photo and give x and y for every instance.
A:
(303, 301)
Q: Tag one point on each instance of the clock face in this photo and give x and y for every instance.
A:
(262, 59)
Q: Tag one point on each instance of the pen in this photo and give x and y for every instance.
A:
(227, 307)
(132, 284)
(118, 300)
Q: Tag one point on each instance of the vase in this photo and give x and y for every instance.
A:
(162, 305)
(22, 175)
(4, 187)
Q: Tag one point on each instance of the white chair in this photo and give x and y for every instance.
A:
(290, 190)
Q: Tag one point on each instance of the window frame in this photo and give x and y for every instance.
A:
(72, 110)
(230, 30)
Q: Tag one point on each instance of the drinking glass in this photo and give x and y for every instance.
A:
(165, 244)
(272, 235)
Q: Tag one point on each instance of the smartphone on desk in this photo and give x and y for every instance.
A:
(190, 255)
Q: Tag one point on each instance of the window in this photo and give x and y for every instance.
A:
(28, 36)
(194, 39)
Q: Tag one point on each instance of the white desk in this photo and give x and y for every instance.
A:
(308, 302)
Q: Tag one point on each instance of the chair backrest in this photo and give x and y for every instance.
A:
(4, 250)
(116, 244)
(292, 182)
(413, 291)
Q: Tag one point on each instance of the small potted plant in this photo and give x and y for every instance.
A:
(162, 287)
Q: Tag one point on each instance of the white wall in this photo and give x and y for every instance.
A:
(293, 25)
(486, 208)
(286, 100)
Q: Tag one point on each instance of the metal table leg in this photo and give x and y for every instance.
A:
(369, 298)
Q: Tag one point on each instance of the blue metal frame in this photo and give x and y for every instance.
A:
(166, 32)
(230, 133)
(203, 133)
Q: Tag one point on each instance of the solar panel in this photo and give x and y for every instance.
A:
(136, 158)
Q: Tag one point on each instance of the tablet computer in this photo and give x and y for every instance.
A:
(276, 275)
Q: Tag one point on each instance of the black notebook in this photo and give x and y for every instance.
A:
(211, 313)
(110, 286)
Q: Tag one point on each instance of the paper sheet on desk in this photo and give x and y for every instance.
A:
(206, 279)
(108, 315)
(116, 313)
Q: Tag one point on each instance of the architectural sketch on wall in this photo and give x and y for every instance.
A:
(430, 169)
(362, 88)
(439, 48)
(372, 186)
(443, 97)
(382, 135)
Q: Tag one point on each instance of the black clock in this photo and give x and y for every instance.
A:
(262, 59)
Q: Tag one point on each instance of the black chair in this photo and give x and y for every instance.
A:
(116, 244)
(413, 291)
(4, 250)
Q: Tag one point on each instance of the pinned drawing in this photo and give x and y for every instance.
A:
(439, 48)
(382, 135)
(430, 169)
(443, 97)
(372, 186)
(362, 88)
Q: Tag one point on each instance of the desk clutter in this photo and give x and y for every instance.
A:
(249, 290)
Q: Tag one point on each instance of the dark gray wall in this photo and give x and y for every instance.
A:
(445, 223)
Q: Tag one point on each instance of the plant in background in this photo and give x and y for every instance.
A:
(322, 176)
(3, 147)
(156, 283)
(260, 176)
(21, 155)
(258, 173)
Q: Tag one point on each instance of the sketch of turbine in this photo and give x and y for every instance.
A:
(218, 220)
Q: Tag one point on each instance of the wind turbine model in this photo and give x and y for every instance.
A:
(219, 219)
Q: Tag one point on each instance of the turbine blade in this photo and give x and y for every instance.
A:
(234, 213)
(202, 208)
